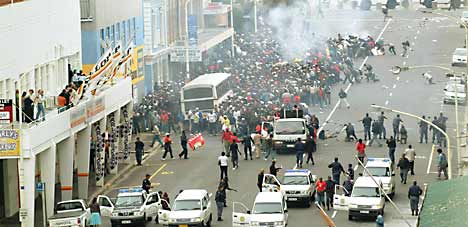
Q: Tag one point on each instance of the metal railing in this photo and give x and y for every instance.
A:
(86, 11)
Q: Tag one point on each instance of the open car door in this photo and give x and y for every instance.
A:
(152, 204)
(105, 205)
(270, 183)
(340, 201)
(240, 215)
(163, 212)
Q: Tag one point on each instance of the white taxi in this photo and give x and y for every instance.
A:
(380, 169)
(269, 209)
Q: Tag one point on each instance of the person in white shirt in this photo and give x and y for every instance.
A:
(39, 102)
(212, 123)
(223, 164)
(411, 155)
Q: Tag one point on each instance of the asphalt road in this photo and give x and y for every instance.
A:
(433, 41)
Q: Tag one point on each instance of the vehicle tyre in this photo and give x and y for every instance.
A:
(307, 203)
(382, 211)
(350, 217)
(208, 224)
(156, 219)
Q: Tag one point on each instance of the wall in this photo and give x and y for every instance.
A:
(37, 31)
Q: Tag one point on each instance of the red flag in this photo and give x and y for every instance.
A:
(196, 141)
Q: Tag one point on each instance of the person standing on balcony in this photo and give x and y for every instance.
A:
(39, 100)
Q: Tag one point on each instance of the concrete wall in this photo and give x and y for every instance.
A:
(37, 31)
(108, 12)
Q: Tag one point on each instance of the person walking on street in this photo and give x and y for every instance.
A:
(223, 165)
(310, 147)
(396, 127)
(234, 148)
(258, 144)
(381, 120)
(376, 133)
(350, 171)
(95, 210)
(442, 164)
(220, 199)
(167, 147)
(226, 140)
(156, 136)
(343, 98)
(391, 144)
(413, 195)
(423, 128)
(139, 147)
(434, 130)
(411, 155)
(247, 141)
(330, 191)
(348, 185)
(146, 184)
(361, 149)
(224, 183)
(336, 169)
(320, 188)
(367, 123)
(299, 147)
(403, 164)
(183, 143)
(269, 148)
(403, 134)
(273, 169)
(260, 176)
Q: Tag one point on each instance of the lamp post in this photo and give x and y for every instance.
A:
(449, 153)
(187, 58)
(398, 69)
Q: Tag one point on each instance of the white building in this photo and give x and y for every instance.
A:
(40, 41)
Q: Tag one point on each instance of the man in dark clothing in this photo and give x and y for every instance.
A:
(139, 146)
(234, 148)
(183, 143)
(350, 133)
(391, 144)
(367, 123)
(273, 168)
(337, 169)
(247, 141)
(423, 127)
(330, 191)
(348, 185)
(260, 179)
(146, 185)
(413, 195)
(351, 171)
(300, 147)
(434, 131)
(220, 199)
(310, 147)
(404, 165)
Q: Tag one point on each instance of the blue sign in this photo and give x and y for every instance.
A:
(40, 187)
(192, 30)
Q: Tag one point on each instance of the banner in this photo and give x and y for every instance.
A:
(9, 142)
(197, 141)
(77, 116)
(94, 107)
(6, 111)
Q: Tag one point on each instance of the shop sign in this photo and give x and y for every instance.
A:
(9, 142)
(77, 116)
(6, 111)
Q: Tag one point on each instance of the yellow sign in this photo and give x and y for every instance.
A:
(9, 142)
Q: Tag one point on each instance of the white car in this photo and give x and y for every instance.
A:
(380, 169)
(459, 57)
(366, 199)
(269, 209)
(455, 91)
(192, 207)
(297, 184)
(464, 18)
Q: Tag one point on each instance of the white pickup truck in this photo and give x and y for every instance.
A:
(70, 213)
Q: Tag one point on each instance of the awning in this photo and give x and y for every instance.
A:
(212, 37)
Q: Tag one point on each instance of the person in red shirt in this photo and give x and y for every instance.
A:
(226, 140)
(164, 121)
(320, 187)
(167, 146)
(361, 149)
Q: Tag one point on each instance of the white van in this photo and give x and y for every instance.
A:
(366, 199)
(381, 169)
(192, 207)
(269, 209)
(298, 185)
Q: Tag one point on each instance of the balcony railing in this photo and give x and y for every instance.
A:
(86, 11)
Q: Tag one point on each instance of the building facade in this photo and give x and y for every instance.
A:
(107, 22)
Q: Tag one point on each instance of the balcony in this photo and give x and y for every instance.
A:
(86, 10)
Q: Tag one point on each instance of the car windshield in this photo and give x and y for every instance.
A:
(187, 205)
(295, 180)
(365, 192)
(378, 171)
(465, 14)
(267, 208)
(123, 201)
(290, 127)
(69, 206)
(460, 52)
(451, 88)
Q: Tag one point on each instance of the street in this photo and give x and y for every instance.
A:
(432, 43)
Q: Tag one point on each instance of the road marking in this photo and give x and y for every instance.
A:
(404, 63)
(159, 170)
(356, 167)
(167, 172)
(391, 94)
(430, 159)
(349, 85)
(334, 214)
(417, 32)
(386, 102)
(420, 157)
(397, 78)
(394, 86)
(415, 37)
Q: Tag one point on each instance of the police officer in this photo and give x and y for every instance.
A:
(330, 191)
(337, 169)
(381, 120)
(146, 185)
(367, 122)
(413, 195)
(423, 130)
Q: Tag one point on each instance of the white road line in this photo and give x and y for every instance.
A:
(404, 63)
(415, 37)
(417, 32)
(386, 102)
(391, 94)
(356, 167)
(394, 86)
(430, 159)
(349, 85)
(334, 214)
(398, 78)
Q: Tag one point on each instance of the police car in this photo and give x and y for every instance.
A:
(133, 206)
(269, 209)
(381, 169)
(297, 185)
(192, 207)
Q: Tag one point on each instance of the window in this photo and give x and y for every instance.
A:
(103, 37)
(117, 32)
(126, 201)
(268, 208)
(202, 105)
(124, 31)
(187, 205)
(130, 30)
(223, 88)
(196, 93)
(111, 35)
(290, 127)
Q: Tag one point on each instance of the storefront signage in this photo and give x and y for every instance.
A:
(95, 107)
(77, 116)
(9, 142)
(6, 111)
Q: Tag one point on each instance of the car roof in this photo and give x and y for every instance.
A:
(297, 172)
(269, 197)
(378, 162)
(459, 50)
(192, 194)
(291, 119)
(365, 182)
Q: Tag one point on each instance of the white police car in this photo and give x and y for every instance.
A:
(132, 206)
(297, 185)
(380, 169)
(269, 209)
(192, 207)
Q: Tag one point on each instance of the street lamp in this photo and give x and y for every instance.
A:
(449, 153)
(398, 69)
(187, 58)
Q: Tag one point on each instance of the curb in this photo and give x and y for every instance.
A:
(119, 176)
